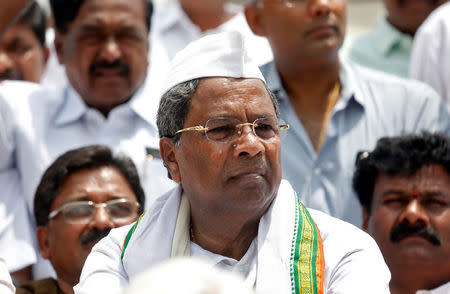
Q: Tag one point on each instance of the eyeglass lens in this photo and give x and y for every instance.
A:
(83, 212)
(227, 129)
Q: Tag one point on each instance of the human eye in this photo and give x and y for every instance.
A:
(78, 210)
(220, 129)
(265, 128)
(394, 201)
(18, 48)
(131, 34)
(122, 209)
(90, 34)
(435, 203)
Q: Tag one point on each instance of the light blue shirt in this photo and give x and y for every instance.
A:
(385, 48)
(39, 124)
(371, 105)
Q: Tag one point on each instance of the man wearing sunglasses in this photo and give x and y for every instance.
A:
(220, 141)
(83, 195)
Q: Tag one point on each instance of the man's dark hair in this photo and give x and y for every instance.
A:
(403, 155)
(89, 157)
(35, 17)
(65, 11)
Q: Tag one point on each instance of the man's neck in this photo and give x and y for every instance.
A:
(223, 235)
(206, 15)
(65, 287)
(415, 280)
(313, 91)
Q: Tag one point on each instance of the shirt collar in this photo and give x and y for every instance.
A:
(349, 86)
(143, 103)
(72, 109)
(388, 37)
(169, 16)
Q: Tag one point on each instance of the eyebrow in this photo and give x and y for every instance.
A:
(89, 27)
(425, 193)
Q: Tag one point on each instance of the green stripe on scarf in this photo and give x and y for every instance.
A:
(304, 254)
(129, 234)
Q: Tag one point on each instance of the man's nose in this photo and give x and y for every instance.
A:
(319, 7)
(247, 143)
(6, 62)
(110, 50)
(414, 213)
(102, 220)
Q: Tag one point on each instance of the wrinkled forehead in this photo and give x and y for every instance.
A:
(231, 97)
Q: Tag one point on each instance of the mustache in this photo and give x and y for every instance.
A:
(94, 235)
(118, 64)
(402, 230)
(11, 74)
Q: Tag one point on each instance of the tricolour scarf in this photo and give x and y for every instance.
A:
(290, 249)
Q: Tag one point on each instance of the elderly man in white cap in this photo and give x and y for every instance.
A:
(220, 140)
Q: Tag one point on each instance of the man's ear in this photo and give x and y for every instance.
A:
(167, 150)
(366, 217)
(42, 234)
(59, 46)
(254, 18)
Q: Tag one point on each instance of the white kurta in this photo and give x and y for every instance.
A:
(39, 124)
(353, 262)
(430, 58)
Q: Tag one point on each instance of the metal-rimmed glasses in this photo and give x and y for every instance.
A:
(226, 129)
(121, 210)
(287, 3)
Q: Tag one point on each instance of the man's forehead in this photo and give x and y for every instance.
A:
(243, 99)
(18, 32)
(220, 90)
(100, 11)
(429, 177)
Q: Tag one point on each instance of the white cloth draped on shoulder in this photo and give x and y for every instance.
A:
(349, 253)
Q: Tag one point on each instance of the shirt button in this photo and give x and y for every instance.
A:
(317, 171)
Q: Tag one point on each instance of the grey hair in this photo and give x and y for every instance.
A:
(174, 107)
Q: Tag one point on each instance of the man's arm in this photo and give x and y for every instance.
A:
(16, 225)
(9, 10)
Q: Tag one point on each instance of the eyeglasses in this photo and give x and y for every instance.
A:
(287, 3)
(82, 212)
(224, 129)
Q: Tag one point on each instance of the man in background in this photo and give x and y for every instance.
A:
(430, 58)
(23, 51)
(404, 188)
(334, 107)
(103, 45)
(388, 47)
(82, 195)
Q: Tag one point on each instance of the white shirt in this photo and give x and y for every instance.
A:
(430, 58)
(348, 251)
(444, 289)
(39, 124)
(6, 285)
(174, 30)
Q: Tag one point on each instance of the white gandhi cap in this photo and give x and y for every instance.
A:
(214, 55)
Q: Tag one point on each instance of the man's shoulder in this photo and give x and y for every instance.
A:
(45, 286)
(338, 233)
(383, 85)
(34, 97)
